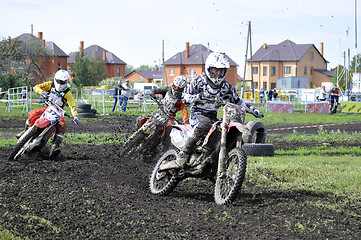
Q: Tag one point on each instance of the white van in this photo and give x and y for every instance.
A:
(143, 89)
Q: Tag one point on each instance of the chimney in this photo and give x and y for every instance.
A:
(187, 49)
(40, 35)
(264, 45)
(43, 43)
(81, 52)
(104, 55)
(321, 48)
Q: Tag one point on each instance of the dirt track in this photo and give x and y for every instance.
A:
(92, 193)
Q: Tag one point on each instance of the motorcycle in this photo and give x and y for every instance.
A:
(152, 131)
(39, 132)
(219, 157)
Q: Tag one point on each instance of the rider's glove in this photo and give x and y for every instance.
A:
(44, 95)
(257, 113)
(75, 119)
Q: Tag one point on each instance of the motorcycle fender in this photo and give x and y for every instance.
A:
(179, 134)
(241, 127)
(214, 127)
(42, 123)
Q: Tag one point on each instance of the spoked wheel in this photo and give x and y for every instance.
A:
(162, 183)
(21, 145)
(134, 142)
(230, 181)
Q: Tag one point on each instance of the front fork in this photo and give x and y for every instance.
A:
(223, 147)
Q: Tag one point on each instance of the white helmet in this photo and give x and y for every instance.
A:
(179, 83)
(61, 80)
(218, 61)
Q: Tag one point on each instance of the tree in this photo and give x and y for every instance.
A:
(88, 70)
(18, 62)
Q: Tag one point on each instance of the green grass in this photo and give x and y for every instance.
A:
(337, 175)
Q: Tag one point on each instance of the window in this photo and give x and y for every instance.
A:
(273, 71)
(192, 72)
(264, 71)
(311, 70)
(287, 70)
(305, 70)
(311, 55)
(264, 85)
(59, 65)
(255, 70)
(171, 72)
(118, 72)
(255, 85)
(273, 85)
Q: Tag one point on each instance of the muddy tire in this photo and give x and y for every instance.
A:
(134, 143)
(259, 149)
(258, 134)
(230, 182)
(162, 183)
(19, 149)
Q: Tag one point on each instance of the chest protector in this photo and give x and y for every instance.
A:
(169, 103)
(58, 97)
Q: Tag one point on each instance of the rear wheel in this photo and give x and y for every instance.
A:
(162, 183)
(22, 144)
(258, 134)
(230, 181)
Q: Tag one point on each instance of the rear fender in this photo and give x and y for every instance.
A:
(240, 127)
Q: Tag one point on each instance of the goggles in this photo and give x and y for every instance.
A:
(61, 82)
(178, 89)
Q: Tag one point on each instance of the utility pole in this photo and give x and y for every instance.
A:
(164, 71)
(249, 42)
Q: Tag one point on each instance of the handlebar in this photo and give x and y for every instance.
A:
(160, 106)
(49, 101)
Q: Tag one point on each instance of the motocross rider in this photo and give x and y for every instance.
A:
(171, 100)
(59, 91)
(202, 92)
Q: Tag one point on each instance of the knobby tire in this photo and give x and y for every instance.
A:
(162, 183)
(29, 135)
(230, 182)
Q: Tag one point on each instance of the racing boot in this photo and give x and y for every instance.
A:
(182, 156)
(55, 148)
(27, 125)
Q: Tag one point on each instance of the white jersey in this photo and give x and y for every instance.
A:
(199, 86)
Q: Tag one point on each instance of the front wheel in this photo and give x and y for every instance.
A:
(21, 145)
(162, 183)
(230, 181)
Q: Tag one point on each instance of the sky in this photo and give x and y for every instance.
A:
(135, 30)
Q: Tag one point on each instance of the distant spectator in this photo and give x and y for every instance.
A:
(270, 94)
(261, 95)
(117, 94)
(323, 94)
(125, 94)
(334, 96)
(275, 95)
(23, 95)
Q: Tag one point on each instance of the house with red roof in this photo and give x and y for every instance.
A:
(50, 62)
(115, 67)
(191, 63)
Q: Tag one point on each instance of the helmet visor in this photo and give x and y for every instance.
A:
(178, 89)
(218, 72)
(61, 82)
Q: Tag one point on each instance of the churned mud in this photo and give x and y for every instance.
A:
(91, 192)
